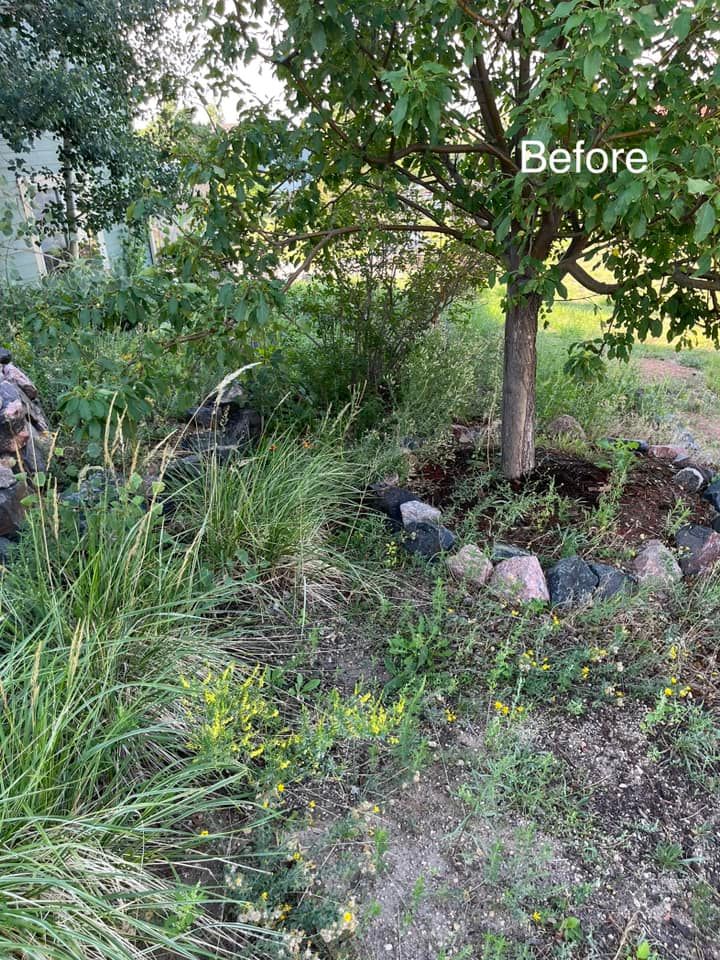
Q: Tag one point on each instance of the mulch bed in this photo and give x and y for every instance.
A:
(647, 499)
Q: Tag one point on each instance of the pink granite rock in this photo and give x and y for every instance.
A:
(470, 564)
(521, 578)
(656, 565)
(667, 451)
(15, 375)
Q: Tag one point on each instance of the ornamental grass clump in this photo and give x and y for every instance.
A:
(102, 613)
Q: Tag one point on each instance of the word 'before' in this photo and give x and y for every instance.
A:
(536, 158)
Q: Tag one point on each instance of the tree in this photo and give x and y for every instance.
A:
(427, 103)
(80, 70)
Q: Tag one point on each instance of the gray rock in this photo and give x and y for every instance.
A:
(712, 494)
(415, 511)
(470, 564)
(223, 425)
(94, 488)
(506, 551)
(565, 426)
(388, 500)
(571, 582)
(36, 455)
(521, 578)
(427, 540)
(12, 512)
(655, 566)
(7, 548)
(698, 548)
(611, 581)
(22, 420)
(716, 524)
(411, 444)
(465, 436)
(689, 479)
(14, 432)
(15, 375)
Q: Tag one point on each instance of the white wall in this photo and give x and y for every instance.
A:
(21, 261)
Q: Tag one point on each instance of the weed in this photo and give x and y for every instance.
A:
(511, 774)
(669, 856)
(687, 735)
(420, 648)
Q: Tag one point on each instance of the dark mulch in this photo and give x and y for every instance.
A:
(648, 497)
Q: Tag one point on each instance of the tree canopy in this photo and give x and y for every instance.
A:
(80, 70)
(426, 103)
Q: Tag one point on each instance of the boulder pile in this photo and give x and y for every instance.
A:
(25, 445)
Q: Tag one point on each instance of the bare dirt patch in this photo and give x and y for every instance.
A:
(656, 369)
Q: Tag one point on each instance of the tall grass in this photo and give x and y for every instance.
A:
(274, 508)
(98, 793)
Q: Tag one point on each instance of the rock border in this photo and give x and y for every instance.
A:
(571, 581)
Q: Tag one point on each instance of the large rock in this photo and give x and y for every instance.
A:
(388, 500)
(690, 479)
(611, 581)
(712, 494)
(12, 512)
(668, 451)
(521, 578)
(565, 426)
(7, 549)
(15, 375)
(222, 425)
(14, 424)
(571, 582)
(656, 566)
(24, 429)
(36, 454)
(471, 565)
(427, 540)
(466, 436)
(415, 511)
(698, 548)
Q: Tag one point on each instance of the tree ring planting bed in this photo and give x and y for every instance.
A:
(463, 487)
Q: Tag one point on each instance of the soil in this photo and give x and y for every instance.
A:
(656, 370)
(453, 875)
(648, 497)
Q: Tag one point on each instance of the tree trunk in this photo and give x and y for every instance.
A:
(518, 412)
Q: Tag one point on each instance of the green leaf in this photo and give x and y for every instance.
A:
(681, 27)
(704, 222)
(643, 951)
(399, 112)
(591, 64)
(699, 186)
(563, 9)
(528, 21)
(318, 38)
